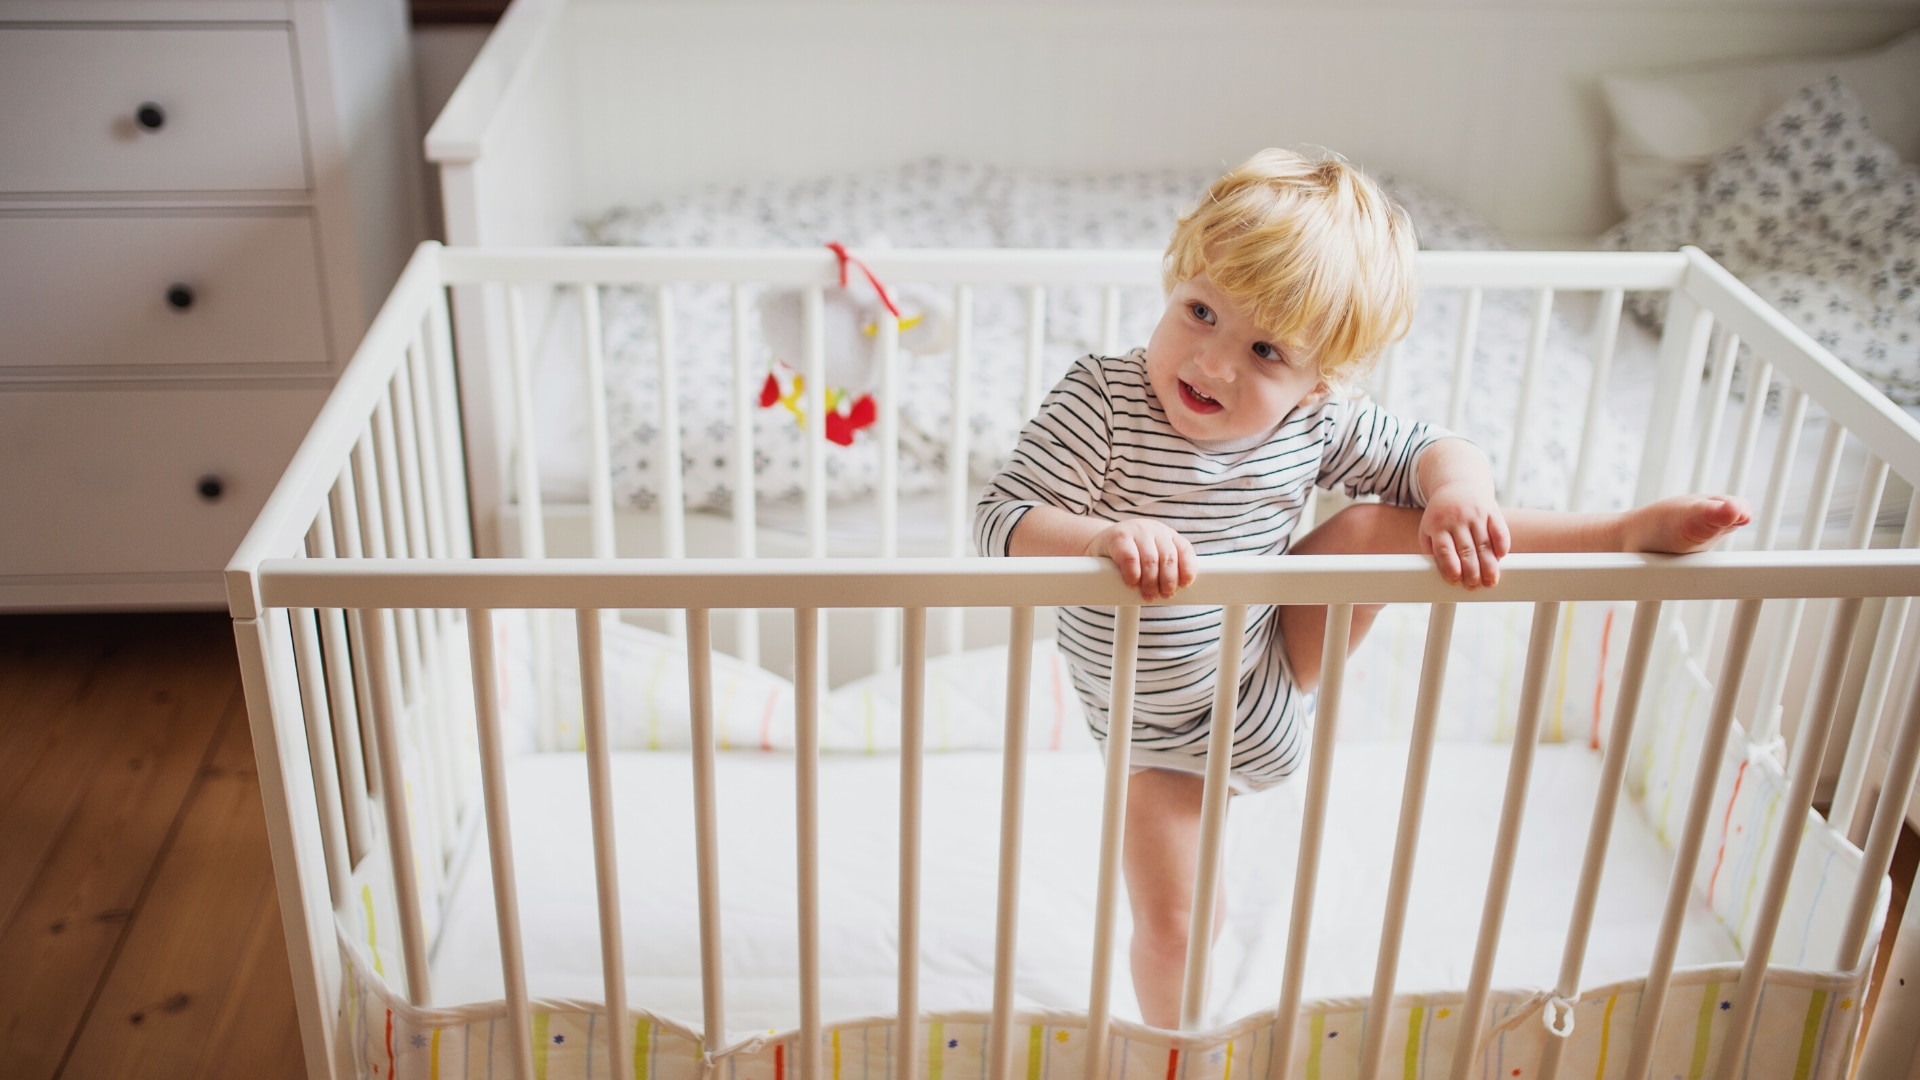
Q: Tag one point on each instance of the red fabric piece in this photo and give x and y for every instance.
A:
(840, 252)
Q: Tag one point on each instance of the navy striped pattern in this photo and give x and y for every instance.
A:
(1101, 446)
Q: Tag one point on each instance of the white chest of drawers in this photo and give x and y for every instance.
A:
(201, 204)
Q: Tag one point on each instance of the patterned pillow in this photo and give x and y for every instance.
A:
(1818, 216)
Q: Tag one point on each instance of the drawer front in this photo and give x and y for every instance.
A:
(155, 293)
(99, 482)
(224, 113)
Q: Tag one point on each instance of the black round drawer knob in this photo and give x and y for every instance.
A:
(151, 116)
(179, 297)
(211, 488)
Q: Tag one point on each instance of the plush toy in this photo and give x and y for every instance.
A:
(850, 323)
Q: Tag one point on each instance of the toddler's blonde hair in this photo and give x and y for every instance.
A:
(1312, 249)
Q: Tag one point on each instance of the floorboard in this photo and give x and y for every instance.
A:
(108, 729)
(201, 987)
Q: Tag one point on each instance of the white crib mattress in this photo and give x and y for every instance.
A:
(859, 794)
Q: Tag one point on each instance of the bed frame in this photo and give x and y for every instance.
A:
(357, 584)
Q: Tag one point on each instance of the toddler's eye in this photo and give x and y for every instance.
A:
(1266, 351)
(1201, 312)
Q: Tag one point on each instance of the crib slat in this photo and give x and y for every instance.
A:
(1874, 689)
(599, 454)
(1113, 830)
(341, 691)
(673, 498)
(1213, 817)
(326, 776)
(533, 537)
(442, 380)
(1889, 820)
(1807, 757)
(1759, 385)
(806, 757)
(393, 801)
(588, 625)
(1413, 797)
(407, 463)
(913, 695)
(747, 629)
(1012, 802)
(1717, 393)
(1713, 747)
(1529, 373)
(1609, 326)
(1036, 346)
(1774, 687)
(1313, 828)
(493, 789)
(814, 405)
(1526, 737)
(959, 513)
(1793, 416)
(1110, 321)
(1613, 766)
(706, 834)
(426, 424)
(885, 625)
(1463, 360)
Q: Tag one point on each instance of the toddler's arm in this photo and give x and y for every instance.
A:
(1462, 527)
(1151, 556)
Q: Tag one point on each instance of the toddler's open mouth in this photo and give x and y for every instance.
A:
(1196, 400)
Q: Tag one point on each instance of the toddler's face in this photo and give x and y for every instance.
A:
(1220, 377)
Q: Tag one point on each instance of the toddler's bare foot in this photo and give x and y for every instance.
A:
(1683, 523)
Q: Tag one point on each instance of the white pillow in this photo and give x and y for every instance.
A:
(966, 705)
(1668, 125)
(648, 706)
(648, 703)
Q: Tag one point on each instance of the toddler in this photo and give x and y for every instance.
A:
(1283, 285)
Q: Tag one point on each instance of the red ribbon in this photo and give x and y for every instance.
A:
(840, 252)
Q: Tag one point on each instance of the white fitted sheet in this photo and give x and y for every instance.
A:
(553, 852)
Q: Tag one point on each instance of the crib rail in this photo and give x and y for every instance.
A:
(356, 592)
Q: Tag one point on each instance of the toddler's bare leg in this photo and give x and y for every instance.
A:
(1160, 859)
(1677, 525)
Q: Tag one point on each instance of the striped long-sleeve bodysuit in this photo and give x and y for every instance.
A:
(1101, 446)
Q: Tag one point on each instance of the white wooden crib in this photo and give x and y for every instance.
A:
(398, 688)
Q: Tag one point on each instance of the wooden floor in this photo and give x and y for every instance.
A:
(139, 934)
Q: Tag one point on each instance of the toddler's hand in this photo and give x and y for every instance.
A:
(1150, 556)
(1465, 533)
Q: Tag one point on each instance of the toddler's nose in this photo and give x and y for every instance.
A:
(1215, 364)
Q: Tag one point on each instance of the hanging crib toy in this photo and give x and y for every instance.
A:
(850, 326)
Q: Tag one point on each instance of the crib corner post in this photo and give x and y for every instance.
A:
(293, 832)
